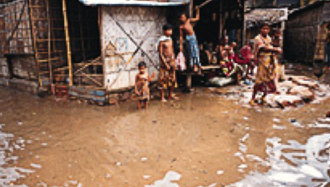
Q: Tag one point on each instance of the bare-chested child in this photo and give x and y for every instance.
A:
(142, 80)
(186, 29)
(167, 78)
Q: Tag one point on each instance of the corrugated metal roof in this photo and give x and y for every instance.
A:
(133, 3)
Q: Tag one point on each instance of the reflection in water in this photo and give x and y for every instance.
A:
(293, 164)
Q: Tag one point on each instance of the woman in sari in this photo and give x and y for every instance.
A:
(264, 57)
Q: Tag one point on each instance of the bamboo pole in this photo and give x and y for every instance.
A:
(67, 39)
(49, 45)
(86, 65)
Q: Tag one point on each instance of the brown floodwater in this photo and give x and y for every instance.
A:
(202, 140)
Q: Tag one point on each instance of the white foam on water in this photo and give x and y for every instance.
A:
(278, 127)
(212, 185)
(167, 181)
(36, 165)
(319, 125)
(307, 162)
(245, 137)
(11, 174)
(276, 120)
(146, 177)
(324, 120)
(297, 124)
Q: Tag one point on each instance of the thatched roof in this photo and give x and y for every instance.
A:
(271, 15)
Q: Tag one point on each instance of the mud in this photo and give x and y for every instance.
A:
(204, 140)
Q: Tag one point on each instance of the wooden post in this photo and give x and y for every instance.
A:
(67, 39)
(49, 44)
(243, 34)
(81, 36)
(189, 80)
(191, 8)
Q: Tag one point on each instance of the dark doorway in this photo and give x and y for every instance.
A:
(207, 29)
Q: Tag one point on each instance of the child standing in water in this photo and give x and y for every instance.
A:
(142, 80)
(167, 78)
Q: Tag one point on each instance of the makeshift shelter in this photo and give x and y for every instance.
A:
(92, 44)
(305, 33)
(90, 48)
(275, 16)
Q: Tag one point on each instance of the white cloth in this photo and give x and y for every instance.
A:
(162, 39)
(180, 62)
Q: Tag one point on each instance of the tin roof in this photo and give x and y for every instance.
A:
(133, 2)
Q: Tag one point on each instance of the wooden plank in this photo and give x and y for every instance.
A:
(210, 67)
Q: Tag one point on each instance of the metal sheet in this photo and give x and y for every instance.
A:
(118, 48)
(132, 3)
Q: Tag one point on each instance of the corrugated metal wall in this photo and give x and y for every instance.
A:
(301, 35)
(118, 47)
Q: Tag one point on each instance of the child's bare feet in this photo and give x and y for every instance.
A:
(174, 98)
(252, 102)
(163, 100)
(195, 68)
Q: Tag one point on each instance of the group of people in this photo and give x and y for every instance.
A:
(265, 56)
(168, 61)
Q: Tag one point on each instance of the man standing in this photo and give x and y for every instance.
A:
(186, 29)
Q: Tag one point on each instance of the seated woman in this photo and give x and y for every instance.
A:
(246, 59)
(227, 63)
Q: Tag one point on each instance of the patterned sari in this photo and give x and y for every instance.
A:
(266, 65)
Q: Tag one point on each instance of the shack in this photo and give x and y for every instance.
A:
(305, 33)
(79, 45)
(275, 16)
(91, 48)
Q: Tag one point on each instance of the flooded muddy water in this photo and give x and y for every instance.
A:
(204, 140)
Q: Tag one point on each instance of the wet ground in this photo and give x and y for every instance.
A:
(203, 140)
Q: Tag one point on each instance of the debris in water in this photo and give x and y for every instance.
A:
(167, 180)
(36, 165)
(245, 137)
(276, 120)
(278, 127)
(220, 172)
(146, 177)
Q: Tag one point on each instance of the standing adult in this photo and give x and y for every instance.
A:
(186, 29)
(264, 53)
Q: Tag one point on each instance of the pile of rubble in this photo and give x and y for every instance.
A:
(295, 91)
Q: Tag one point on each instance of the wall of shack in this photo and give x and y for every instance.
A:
(301, 34)
(142, 24)
(16, 45)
